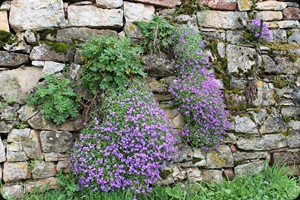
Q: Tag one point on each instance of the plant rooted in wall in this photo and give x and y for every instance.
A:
(256, 31)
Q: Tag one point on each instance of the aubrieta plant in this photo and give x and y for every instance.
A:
(197, 94)
(127, 149)
(256, 30)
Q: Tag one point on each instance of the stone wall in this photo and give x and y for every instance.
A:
(261, 84)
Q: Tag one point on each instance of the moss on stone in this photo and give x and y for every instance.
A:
(195, 160)
(52, 32)
(275, 46)
(7, 38)
(165, 173)
(217, 160)
(59, 47)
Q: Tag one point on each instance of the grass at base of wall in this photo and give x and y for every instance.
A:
(271, 183)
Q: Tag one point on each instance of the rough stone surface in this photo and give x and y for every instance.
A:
(184, 154)
(12, 191)
(294, 125)
(2, 153)
(132, 30)
(159, 66)
(273, 124)
(109, 3)
(17, 156)
(295, 37)
(212, 176)
(55, 156)
(63, 165)
(265, 94)
(193, 175)
(26, 112)
(220, 19)
(46, 53)
(289, 24)
(266, 142)
(243, 156)
(178, 122)
(56, 141)
(4, 26)
(43, 169)
(41, 185)
(52, 67)
(260, 116)
(290, 111)
(293, 139)
(239, 58)
(219, 4)
(81, 34)
(38, 15)
(18, 44)
(278, 36)
(270, 5)
(244, 5)
(291, 13)
(280, 65)
(137, 12)
(288, 158)
(269, 15)
(222, 157)
(15, 171)
(11, 59)
(92, 16)
(245, 125)
(160, 3)
(30, 36)
(32, 145)
(249, 168)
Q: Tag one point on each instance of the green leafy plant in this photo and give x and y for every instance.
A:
(56, 99)
(110, 62)
(157, 35)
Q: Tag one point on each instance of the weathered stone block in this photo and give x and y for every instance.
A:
(5, 127)
(43, 52)
(2, 153)
(244, 5)
(295, 37)
(52, 67)
(270, 5)
(293, 139)
(26, 112)
(249, 168)
(222, 157)
(266, 142)
(245, 125)
(56, 157)
(243, 156)
(288, 158)
(219, 4)
(41, 185)
(160, 3)
(138, 12)
(10, 59)
(4, 26)
(273, 124)
(12, 191)
(291, 13)
(265, 94)
(193, 175)
(280, 65)
(18, 44)
(278, 36)
(43, 169)
(159, 65)
(56, 141)
(269, 15)
(15, 171)
(178, 121)
(294, 125)
(63, 165)
(16, 156)
(289, 24)
(212, 176)
(109, 4)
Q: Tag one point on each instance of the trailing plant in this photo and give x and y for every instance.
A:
(56, 99)
(127, 148)
(110, 62)
(157, 35)
(256, 31)
(197, 94)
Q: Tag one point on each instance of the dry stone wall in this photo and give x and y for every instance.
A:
(261, 84)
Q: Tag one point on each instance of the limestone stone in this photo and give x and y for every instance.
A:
(292, 170)
(5, 127)
(52, 67)
(212, 176)
(244, 156)
(43, 52)
(287, 158)
(245, 125)
(74, 70)
(290, 111)
(18, 44)
(244, 5)
(18, 135)
(239, 58)
(184, 154)
(269, 15)
(272, 24)
(15, 146)
(82, 34)
(16, 156)
(230, 138)
(157, 87)
(162, 97)
(171, 113)
(280, 65)
(219, 4)
(238, 83)
(109, 4)
(32, 145)
(37, 63)
(30, 36)
(260, 116)
(37, 15)
(221, 19)
(63, 165)
(26, 112)
(40, 123)
(274, 123)
(159, 65)
(160, 3)
(178, 121)
(56, 156)
(291, 13)
(293, 139)
(4, 26)
(270, 5)
(15, 171)
(289, 24)
(193, 175)
(2, 152)
(137, 12)
(178, 174)
(11, 59)
(131, 30)
(41, 184)
(5, 5)
(221, 47)
(295, 37)
(294, 125)
(219, 158)
(92, 16)
(12, 191)
(56, 141)
(249, 168)
(265, 94)
(265, 142)
(43, 169)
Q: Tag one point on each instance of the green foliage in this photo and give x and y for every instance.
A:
(110, 62)
(157, 35)
(190, 7)
(56, 99)
(59, 47)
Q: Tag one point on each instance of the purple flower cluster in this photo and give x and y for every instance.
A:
(259, 29)
(197, 94)
(127, 149)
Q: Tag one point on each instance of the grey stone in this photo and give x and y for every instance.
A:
(265, 94)
(184, 154)
(56, 141)
(282, 65)
(159, 65)
(62, 165)
(170, 113)
(52, 67)
(132, 30)
(244, 5)
(221, 49)
(287, 158)
(238, 83)
(269, 15)
(11, 59)
(266, 142)
(37, 15)
(109, 3)
(15, 171)
(288, 24)
(178, 122)
(178, 174)
(18, 135)
(43, 169)
(245, 125)
(295, 37)
(234, 37)
(221, 19)
(30, 37)
(16, 156)
(160, 3)
(41, 184)
(230, 138)
(68, 35)
(278, 36)
(38, 63)
(157, 87)
(92, 16)
(239, 58)
(290, 111)
(294, 125)
(32, 145)
(273, 124)
(260, 116)
(26, 112)
(134, 12)
(243, 156)
(43, 52)
(18, 44)
(270, 5)
(249, 168)
(193, 175)
(198, 157)
(212, 176)
(293, 139)
(15, 146)
(8, 113)
(2, 153)
(222, 157)
(74, 70)
(5, 5)
(12, 191)
(4, 127)
(56, 156)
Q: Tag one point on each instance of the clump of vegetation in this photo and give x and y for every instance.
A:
(56, 99)
(256, 31)
(59, 47)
